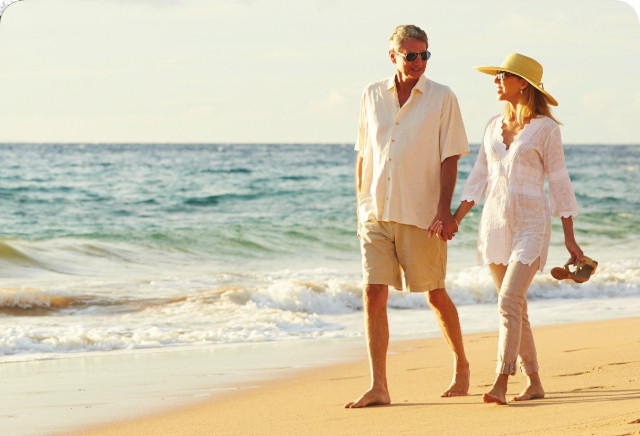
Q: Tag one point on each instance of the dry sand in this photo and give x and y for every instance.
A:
(591, 373)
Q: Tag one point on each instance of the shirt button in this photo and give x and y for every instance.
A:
(397, 123)
(393, 140)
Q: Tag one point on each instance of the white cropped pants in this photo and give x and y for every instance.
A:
(515, 342)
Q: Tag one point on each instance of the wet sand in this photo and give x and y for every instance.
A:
(590, 371)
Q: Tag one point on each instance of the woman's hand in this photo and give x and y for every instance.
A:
(436, 228)
(577, 256)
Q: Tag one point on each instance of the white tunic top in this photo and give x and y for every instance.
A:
(402, 149)
(516, 220)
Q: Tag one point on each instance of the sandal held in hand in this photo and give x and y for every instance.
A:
(584, 271)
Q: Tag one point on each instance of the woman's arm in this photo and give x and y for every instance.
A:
(460, 213)
(570, 241)
(463, 210)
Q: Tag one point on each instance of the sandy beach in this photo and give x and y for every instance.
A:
(591, 373)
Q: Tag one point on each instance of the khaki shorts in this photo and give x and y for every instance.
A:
(388, 248)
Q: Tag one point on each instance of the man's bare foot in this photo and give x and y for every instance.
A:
(370, 398)
(459, 387)
(530, 393)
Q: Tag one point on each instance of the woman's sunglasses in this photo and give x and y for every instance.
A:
(410, 57)
(502, 74)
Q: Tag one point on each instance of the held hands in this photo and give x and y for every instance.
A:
(443, 225)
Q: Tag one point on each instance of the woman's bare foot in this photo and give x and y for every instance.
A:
(370, 398)
(459, 387)
(498, 392)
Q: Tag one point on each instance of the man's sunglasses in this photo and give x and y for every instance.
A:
(410, 57)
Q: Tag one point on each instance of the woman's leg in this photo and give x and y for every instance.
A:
(527, 356)
(528, 360)
(498, 392)
(512, 283)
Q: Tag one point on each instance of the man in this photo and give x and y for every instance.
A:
(410, 138)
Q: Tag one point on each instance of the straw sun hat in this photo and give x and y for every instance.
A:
(525, 67)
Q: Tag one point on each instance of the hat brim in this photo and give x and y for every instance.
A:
(494, 70)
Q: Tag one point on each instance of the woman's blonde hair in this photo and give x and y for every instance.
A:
(532, 103)
(406, 31)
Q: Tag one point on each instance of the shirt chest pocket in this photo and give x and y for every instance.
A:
(416, 140)
(385, 124)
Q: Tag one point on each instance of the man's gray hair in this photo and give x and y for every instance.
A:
(404, 32)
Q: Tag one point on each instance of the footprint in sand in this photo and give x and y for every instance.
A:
(590, 388)
(573, 374)
(346, 378)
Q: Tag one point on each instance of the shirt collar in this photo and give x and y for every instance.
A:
(420, 86)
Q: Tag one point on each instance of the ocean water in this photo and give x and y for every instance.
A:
(128, 247)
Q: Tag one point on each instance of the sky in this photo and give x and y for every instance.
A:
(293, 71)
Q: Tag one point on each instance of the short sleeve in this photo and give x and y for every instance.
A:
(362, 126)
(453, 138)
(562, 198)
(476, 184)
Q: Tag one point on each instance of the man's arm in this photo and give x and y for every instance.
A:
(358, 175)
(358, 189)
(448, 177)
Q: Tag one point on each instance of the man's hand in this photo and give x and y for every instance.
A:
(443, 225)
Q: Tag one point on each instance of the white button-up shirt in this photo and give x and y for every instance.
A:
(402, 149)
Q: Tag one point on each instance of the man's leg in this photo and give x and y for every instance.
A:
(377, 331)
(447, 315)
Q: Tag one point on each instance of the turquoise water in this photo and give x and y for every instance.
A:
(106, 247)
(217, 201)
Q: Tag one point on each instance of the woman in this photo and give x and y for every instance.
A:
(519, 148)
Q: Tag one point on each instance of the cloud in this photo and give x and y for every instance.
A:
(613, 112)
(199, 112)
(153, 3)
(601, 101)
(335, 98)
(337, 102)
(283, 53)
